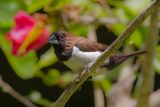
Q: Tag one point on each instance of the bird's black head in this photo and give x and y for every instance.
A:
(56, 38)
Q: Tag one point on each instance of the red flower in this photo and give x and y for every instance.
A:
(28, 34)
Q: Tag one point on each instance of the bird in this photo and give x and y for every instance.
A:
(77, 52)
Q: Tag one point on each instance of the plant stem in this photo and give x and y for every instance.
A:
(82, 77)
(147, 69)
(8, 89)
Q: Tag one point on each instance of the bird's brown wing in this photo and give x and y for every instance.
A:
(83, 44)
(88, 45)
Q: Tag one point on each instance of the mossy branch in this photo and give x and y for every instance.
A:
(82, 77)
(147, 69)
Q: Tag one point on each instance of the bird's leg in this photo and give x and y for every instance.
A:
(88, 67)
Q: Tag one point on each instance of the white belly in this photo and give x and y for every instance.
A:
(79, 59)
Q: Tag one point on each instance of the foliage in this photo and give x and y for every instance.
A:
(76, 16)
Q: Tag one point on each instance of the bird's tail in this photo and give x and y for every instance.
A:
(116, 60)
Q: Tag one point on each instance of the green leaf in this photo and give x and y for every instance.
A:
(52, 77)
(23, 66)
(103, 81)
(35, 5)
(37, 98)
(135, 6)
(118, 28)
(47, 59)
(136, 39)
(8, 9)
(77, 29)
(130, 8)
(59, 4)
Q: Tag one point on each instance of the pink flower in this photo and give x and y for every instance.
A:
(29, 33)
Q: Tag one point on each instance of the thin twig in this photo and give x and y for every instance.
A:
(147, 69)
(65, 96)
(8, 89)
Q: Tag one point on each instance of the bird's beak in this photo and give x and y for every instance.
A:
(53, 40)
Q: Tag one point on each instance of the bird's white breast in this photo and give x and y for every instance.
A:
(79, 59)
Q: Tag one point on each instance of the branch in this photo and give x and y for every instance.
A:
(82, 77)
(147, 68)
(8, 89)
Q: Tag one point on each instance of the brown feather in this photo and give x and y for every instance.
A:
(82, 43)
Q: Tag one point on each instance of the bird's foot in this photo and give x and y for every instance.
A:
(89, 67)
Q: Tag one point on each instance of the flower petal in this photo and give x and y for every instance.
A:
(22, 19)
(28, 34)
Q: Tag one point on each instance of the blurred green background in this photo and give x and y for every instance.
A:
(38, 75)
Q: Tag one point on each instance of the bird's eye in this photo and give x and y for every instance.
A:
(61, 37)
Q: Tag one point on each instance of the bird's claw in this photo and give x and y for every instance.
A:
(88, 67)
